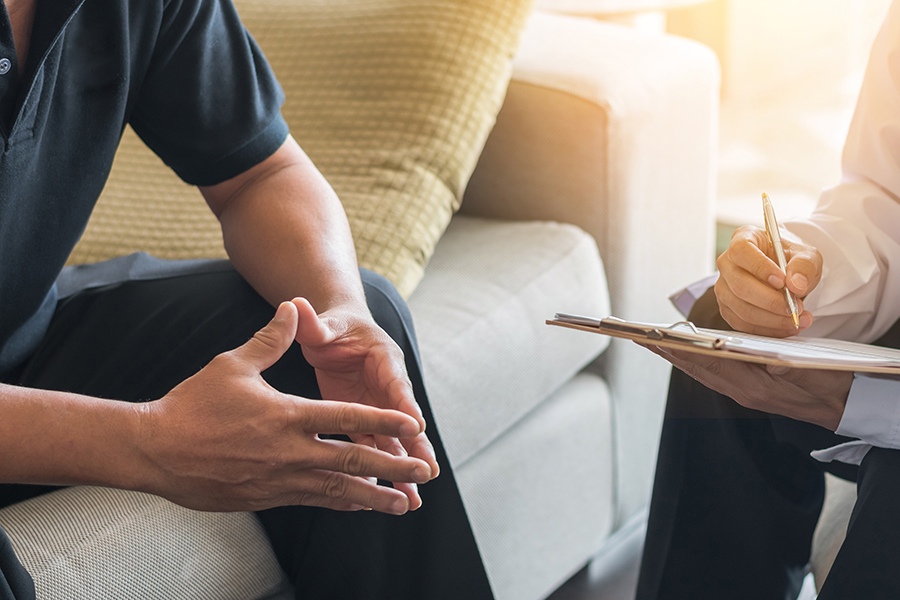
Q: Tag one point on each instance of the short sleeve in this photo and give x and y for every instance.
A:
(209, 104)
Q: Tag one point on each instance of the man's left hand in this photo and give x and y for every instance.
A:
(356, 361)
(811, 395)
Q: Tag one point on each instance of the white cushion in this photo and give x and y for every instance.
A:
(488, 356)
(97, 543)
(540, 497)
(633, 99)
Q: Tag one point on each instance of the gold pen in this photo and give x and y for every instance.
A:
(775, 242)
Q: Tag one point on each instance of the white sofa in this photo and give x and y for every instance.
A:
(606, 141)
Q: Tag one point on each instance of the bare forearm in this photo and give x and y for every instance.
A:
(60, 438)
(286, 233)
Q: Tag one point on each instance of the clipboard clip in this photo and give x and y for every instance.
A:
(694, 337)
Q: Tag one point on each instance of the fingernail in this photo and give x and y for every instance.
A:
(799, 281)
(281, 313)
(408, 430)
(421, 475)
(417, 503)
(805, 320)
(400, 506)
(775, 281)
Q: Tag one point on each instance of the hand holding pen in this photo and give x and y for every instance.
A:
(755, 291)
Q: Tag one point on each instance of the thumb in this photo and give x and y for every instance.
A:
(804, 268)
(311, 330)
(271, 342)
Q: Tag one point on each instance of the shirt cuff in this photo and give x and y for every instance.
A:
(872, 413)
(851, 453)
(685, 298)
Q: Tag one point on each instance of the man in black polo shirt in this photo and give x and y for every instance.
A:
(214, 435)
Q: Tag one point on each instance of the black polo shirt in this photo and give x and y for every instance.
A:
(184, 73)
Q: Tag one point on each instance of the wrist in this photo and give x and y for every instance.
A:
(830, 415)
(104, 451)
(130, 469)
(829, 408)
(346, 301)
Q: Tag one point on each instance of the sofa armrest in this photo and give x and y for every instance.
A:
(615, 131)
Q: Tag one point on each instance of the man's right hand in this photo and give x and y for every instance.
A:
(750, 289)
(226, 440)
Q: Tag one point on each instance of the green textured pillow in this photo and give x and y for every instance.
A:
(393, 101)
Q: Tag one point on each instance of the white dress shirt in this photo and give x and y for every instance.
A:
(856, 227)
(856, 224)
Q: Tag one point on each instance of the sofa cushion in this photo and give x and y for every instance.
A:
(541, 496)
(487, 354)
(392, 99)
(102, 544)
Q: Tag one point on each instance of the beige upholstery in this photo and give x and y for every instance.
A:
(625, 152)
(489, 359)
(516, 425)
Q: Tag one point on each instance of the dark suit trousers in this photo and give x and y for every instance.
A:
(135, 340)
(736, 500)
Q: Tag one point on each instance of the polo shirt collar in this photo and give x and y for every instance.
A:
(50, 20)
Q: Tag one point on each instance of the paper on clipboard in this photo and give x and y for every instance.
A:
(809, 353)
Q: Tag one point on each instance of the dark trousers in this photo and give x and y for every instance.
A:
(135, 340)
(736, 500)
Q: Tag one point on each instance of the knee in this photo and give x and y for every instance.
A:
(881, 465)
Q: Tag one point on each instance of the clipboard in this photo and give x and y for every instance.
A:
(794, 352)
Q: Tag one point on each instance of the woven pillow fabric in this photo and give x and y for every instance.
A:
(393, 101)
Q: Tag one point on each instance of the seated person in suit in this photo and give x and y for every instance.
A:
(201, 426)
(737, 494)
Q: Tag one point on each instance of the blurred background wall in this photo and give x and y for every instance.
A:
(791, 71)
